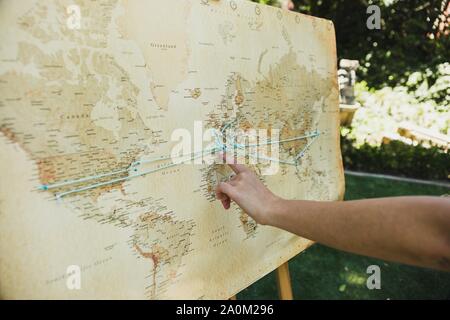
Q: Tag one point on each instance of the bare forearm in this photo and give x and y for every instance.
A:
(413, 230)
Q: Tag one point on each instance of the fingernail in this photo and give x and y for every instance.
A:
(221, 156)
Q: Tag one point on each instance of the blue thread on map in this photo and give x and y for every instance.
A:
(219, 146)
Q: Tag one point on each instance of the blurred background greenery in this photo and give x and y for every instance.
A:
(404, 77)
(409, 40)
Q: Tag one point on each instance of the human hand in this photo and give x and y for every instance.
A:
(249, 193)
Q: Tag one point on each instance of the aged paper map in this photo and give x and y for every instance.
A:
(91, 93)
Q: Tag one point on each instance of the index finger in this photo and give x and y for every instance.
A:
(236, 167)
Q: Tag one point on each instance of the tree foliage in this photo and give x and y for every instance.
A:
(407, 42)
(396, 158)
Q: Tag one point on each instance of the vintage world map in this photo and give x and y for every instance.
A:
(91, 93)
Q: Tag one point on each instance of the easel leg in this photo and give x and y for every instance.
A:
(284, 282)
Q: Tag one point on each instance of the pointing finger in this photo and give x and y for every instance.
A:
(236, 167)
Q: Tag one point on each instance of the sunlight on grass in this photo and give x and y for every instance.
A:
(356, 278)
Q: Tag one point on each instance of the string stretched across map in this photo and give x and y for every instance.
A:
(91, 93)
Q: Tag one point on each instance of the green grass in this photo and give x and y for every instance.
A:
(324, 273)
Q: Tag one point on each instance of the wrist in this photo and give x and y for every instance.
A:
(274, 211)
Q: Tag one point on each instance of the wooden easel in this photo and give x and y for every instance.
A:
(283, 283)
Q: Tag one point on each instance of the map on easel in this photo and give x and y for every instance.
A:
(91, 93)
